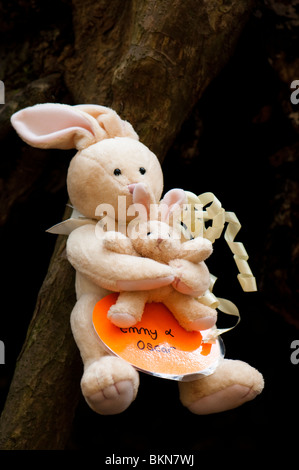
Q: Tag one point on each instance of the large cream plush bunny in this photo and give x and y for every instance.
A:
(109, 163)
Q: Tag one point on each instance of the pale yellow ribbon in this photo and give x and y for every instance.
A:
(218, 217)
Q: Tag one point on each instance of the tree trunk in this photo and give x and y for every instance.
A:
(44, 391)
(151, 61)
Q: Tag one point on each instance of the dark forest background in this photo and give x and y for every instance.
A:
(237, 137)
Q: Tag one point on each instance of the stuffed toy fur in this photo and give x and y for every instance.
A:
(158, 240)
(110, 162)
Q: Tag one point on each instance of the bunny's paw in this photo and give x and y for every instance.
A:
(109, 385)
(121, 317)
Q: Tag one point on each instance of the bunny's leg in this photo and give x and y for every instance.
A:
(191, 314)
(109, 384)
(128, 308)
(232, 384)
(190, 278)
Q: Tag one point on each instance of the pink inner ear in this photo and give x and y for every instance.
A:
(175, 198)
(142, 196)
(52, 126)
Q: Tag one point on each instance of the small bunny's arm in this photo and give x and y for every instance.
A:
(190, 278)
(196, 250)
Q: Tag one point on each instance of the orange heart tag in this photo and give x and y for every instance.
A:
(157, 344)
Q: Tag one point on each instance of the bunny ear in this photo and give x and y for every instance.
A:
(52, 125)
(142, 198)
(109, 121)
(143, 202)
(172, 200)
(61, 126)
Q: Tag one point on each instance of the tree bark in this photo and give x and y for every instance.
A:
(151, 62)
(45, 387)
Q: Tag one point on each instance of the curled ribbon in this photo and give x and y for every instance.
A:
(218, 217)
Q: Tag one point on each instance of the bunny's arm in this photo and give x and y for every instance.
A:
(119, 243)
(190, 278)
(110, 270)
(196, 250)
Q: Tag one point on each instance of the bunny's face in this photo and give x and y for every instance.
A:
(156, 240)
(110, 161)
(111, 168)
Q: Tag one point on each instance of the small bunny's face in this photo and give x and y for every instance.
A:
(109, 169)
(156, 240)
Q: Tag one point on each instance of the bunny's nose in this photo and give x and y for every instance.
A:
(131, 187)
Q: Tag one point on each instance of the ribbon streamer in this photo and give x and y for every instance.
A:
(216, 215)
(219, 217)
(67, 226)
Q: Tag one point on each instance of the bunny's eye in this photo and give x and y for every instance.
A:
(149, 233)
(142, 170)
(117, 172)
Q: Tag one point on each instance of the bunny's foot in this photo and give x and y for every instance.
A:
(121, 319)
(128, 309)
(232, 384)
(191, 314)
(109, 385)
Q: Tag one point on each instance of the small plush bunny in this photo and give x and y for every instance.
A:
(109, 164)
(158, 240)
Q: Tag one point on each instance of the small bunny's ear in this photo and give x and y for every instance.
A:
(173, 200)
(109, 121)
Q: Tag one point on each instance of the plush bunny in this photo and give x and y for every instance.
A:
(158, 240)
(109, 162)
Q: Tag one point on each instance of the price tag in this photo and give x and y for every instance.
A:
(157, 344)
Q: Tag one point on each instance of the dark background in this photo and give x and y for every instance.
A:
(241, 143)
